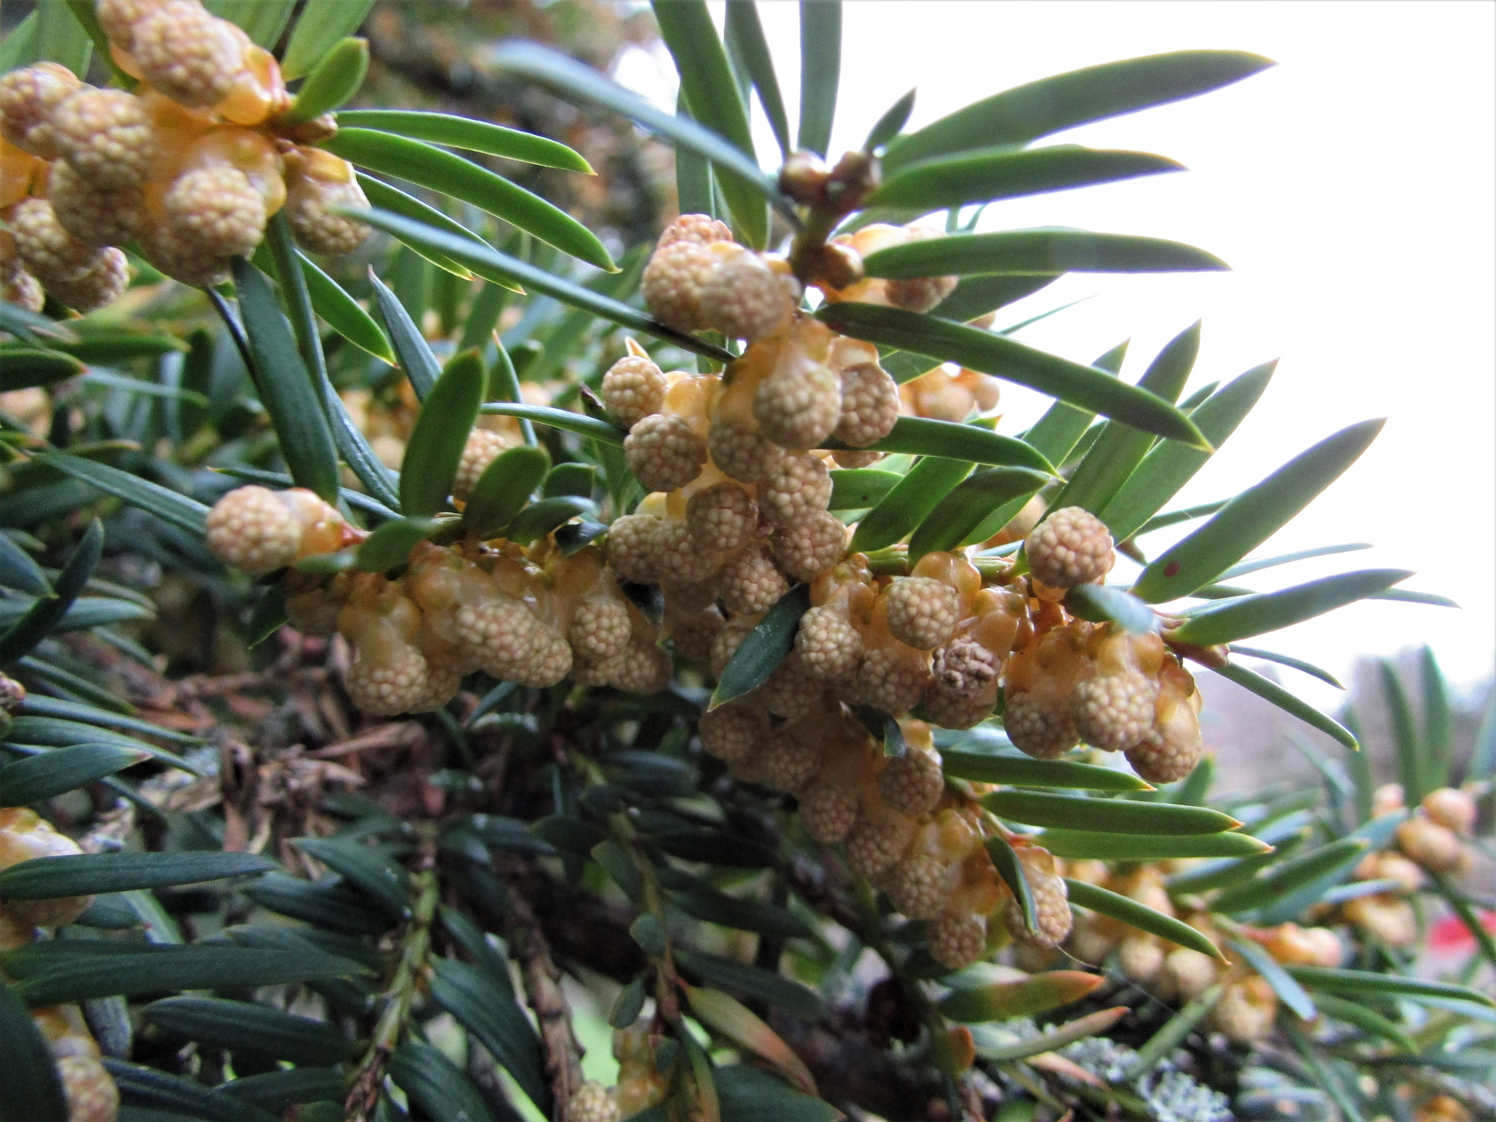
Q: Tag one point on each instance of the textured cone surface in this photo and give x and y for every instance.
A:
(829, 647)
(309, 211)
(390, 687)
(744, 299)
(829, 811)
(1070, 547)
(1051, 907)
(673, 281)
(483, 447)
(188, 54)
(1039, 726)
(798, 407)
(752, 582)
(49, 251)
(722, 516)
(632, 389)
(633, 546)
(957, 940)
(922, 612)
(869, 406)
(742, 453)
(913, 783)
(106, 138)
(664, 452)
(251, 530)
(794, 489)
(1114, 711)
(93, 216)
(809, 549)
(99, 287)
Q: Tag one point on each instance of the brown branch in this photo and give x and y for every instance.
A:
(542, 980)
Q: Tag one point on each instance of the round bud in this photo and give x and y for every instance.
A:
(591, 1102)
(1246, 1010)
(798, 405)
(1114, 711)
(119, 17)
(549, 660)
(1039, 725)
(1437, 848)
(789, 763)
(922, 612)
(1451, 808)
(694, 634)
(829, 811)
(181, 258)
(96, 217)
(49, 251)
(19, 287)
(741, 452)
(97, 288)
(807, 550)
(686, 566)
(829, 647)
(642, 668)
(1385, 917)
(919, 294)
(216, 211)
(745, 299)
(106, 137)
(920, 885)
(187, 53)
(1190, 972)
(1070, 547)
(600, 629)
(673, 280)
(12, 694)
(1141, 958)
(721, 517)
(790, 692)
(1051, 902)
(879, 840)
(913, 783)
(733, 732)
(958, 939)
(891, 679)
(702, 229)
(751, 581)
(869, 405)
(28, 99)
(633, 546)
(317, 185)
(664, 452)
(483, 447)
(389, 685)
(632, 389)
(794, 488)
(251, 529)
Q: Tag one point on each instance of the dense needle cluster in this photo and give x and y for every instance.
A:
(91, 1093)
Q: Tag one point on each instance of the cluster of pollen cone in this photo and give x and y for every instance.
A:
(737, 513)
(90, 1091)
(188, 167)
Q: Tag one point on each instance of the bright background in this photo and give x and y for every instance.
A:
(1351, 190)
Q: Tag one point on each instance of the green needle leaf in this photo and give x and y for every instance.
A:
(170, 506)
(984, 351)
(435, 447)
(50, 878)
(343, 313)
(1241, 617)
(909, 502)
(1039, 252)
(1290, 876)
(765, 647)
(1016, 770)
(503, 490)
(580, 423)
(1028, 112)
(1140, 847)
(389, 546)
(744, 27)
(320, 27)
(462, 179)
(1134, 914)
(707, 84)
(986, 176)
(286, 387)
(33, 1086)
(820, 72)
(336, 78)
(1288, 702)
(955, 518)
(36, 779)
(48, 612)
(466, 133)
(579, 83)
(1080, 812)
(1253, 516)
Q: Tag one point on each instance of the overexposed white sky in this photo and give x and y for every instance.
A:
(1351, 190)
